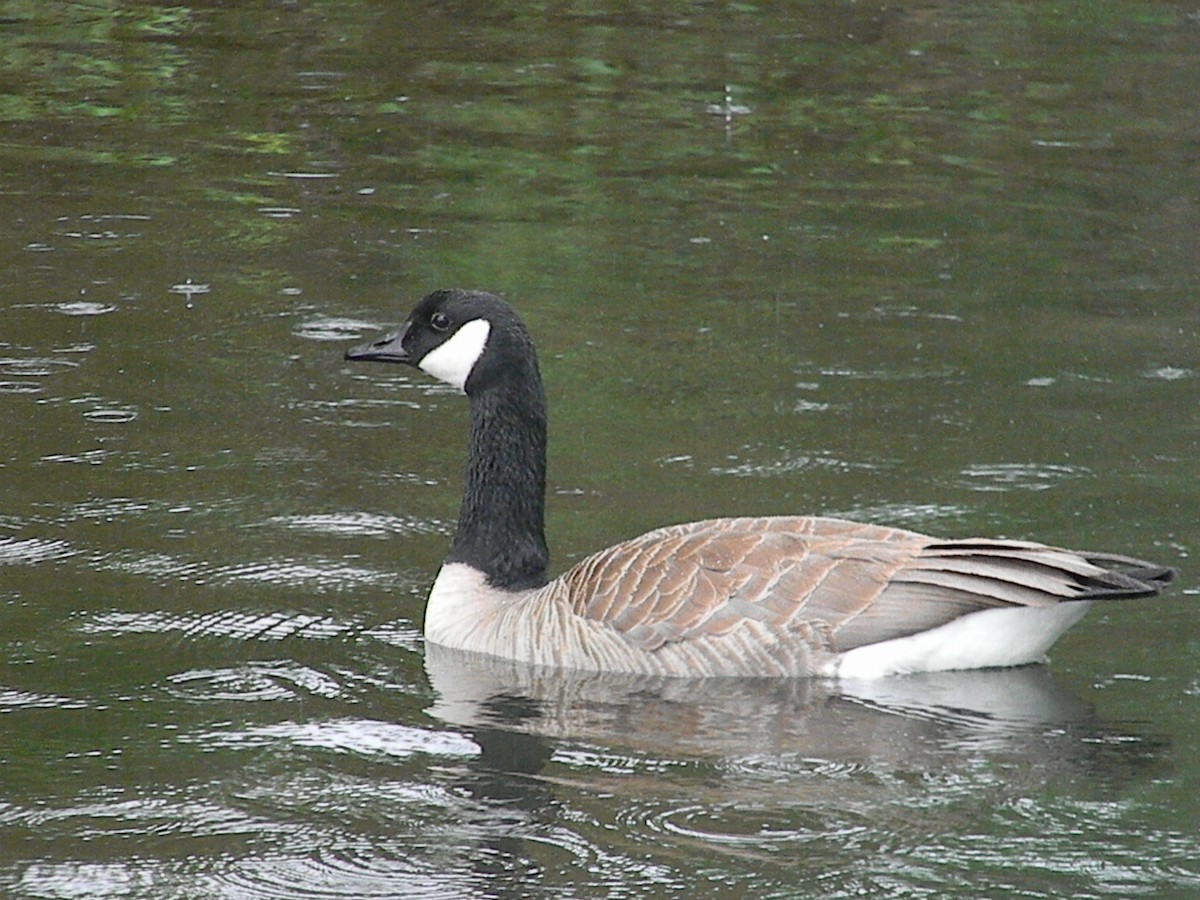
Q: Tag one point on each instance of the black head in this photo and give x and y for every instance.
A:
(468, 339)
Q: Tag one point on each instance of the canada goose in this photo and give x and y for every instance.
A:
(803, 596)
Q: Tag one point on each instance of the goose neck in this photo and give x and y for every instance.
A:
(501, 524)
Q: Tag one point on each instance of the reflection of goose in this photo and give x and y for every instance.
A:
(766, 596)
(913, 720)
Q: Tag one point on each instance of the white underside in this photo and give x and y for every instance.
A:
(991, 638)
(465, 613)
(459, 607)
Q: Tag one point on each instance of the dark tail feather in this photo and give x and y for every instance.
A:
(1125, 578)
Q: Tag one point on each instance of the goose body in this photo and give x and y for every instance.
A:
(771, 596)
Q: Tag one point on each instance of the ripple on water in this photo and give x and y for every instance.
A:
(357, 524)
(333, 328)
(368, 738)
(785, 462)
(34, 366)
(114, 414)
(254, 681)
(1169, 373)
(332, 874)
(1072, 841)
(189, 288)
(20, 387)
(775, 769)
(728, 825)
(942, 373)
(317, 574)
(909, 515)
(83, 308)
(397, 634)
(17, 699)
(237, 624)
(90, 880)
(112, 812)
(783, 803)
(394, 837)
(1018, 476)
(94, 457)
(766, 831)
(30, 551)
(109, 508)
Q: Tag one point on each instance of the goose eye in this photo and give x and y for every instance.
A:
(439, 321)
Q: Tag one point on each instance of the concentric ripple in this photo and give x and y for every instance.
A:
(727, 825)
(333, 328)
(254, 681)
(341, 873)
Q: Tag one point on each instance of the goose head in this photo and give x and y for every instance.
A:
(471, 340)
(476, 342)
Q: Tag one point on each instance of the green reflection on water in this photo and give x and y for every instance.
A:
(930, 266)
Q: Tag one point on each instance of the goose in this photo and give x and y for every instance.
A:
(800, 596)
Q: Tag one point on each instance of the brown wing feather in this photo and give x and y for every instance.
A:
(842, 583)
(708, 578)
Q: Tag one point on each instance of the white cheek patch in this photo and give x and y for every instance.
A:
(453, 361)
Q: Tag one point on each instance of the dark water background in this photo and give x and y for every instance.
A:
(930, 265)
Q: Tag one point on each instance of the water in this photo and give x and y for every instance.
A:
(932, 267)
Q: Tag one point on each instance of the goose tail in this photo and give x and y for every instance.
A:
(1124, 577)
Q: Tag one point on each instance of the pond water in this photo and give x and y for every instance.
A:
(932, 266)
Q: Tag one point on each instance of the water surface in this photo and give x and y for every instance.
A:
(931, 267)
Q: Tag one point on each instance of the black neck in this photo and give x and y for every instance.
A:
(501, 525)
